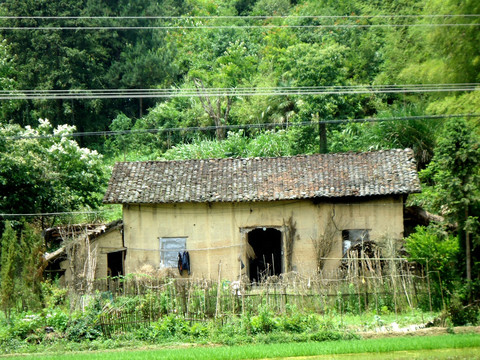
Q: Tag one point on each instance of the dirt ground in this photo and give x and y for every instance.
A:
(421, 332)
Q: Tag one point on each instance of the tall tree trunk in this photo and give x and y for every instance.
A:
(215, 113)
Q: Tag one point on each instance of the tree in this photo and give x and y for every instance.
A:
(7, 272)
(455, 174)
(46, 173)
(235, 67)
(7, 81)
(86, 59)
(316, 65)
(436, 250)
(33, 263)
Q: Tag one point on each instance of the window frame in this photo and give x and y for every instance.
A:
(346, 238)
(169, 253)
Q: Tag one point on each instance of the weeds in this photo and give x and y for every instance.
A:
(171, 311)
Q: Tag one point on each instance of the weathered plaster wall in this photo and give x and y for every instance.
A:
(103, 243)
(106, 243)
(217, 232)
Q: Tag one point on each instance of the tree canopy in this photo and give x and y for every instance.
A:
(234, 45)
(44, 174)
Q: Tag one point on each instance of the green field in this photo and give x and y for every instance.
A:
(407, 343)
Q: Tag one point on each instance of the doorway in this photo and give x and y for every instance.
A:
(266, 244)
(115, 263)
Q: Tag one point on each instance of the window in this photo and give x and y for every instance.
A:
(169, 249)
(353, 237)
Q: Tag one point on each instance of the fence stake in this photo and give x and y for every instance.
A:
(429, 291)
(441, 291)
(218, 288)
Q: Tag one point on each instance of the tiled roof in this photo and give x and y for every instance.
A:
(264, 179)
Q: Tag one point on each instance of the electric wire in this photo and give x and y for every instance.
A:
(230, 17)
(58, 213)
(137, 93)
(188, 27)
(239, 91)
(236, 127)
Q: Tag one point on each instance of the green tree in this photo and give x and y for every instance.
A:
(316, 65)
(271, 7)
(47, 174)
(455, 175)
(31, 252)
(86, 59)
(437, 251)
(7, 271)
(7, 81)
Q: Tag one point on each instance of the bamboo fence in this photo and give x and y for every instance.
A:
(359, 285)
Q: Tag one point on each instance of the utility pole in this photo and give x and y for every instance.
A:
(322, 130)
(322, 133)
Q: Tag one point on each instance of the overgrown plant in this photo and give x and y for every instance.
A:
(7, 272)
(290, 227)
(436, 251)
(82, 257)
(324, 243)
(33, 263)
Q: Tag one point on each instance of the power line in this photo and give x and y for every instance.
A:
(242, 17)
(249, 88)
(188, 27)
(240, 91)
(236, 127)
(59, 213)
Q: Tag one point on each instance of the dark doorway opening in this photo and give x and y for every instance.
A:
(267, 246)
(115, 263)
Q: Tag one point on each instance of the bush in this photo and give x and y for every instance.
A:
(331, 335)
(26, 325)
(461, 313)
(170, 326)
(58, 320)
(264, 322)
(429, 246)
(295, 321)
(82, 328)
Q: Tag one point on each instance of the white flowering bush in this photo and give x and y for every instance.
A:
(43, 169)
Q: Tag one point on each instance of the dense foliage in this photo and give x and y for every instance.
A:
(146, 319)
(43, 174)
(236, 57)
(42, 170)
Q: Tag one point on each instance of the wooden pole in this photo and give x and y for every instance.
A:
(218, 288)
(429, 291)
(468, 251)
(322, 128)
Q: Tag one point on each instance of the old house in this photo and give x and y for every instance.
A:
(260, 216)
(86, 252)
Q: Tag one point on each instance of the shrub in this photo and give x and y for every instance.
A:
(83, 328)
(58, 320)
(431, 247)
(264, 322)
(331, 335)
(25, 325)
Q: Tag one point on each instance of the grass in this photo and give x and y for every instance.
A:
(284, 350)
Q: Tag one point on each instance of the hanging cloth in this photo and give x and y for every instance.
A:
(186, 261)
(180, 263)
